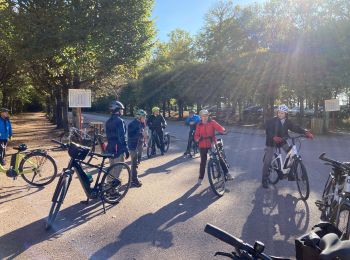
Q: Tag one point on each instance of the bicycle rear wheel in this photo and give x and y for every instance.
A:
(38, 168)
(97, 147)
(57, 200)
(273, 173)
(343, 221)
(302, 180)
(216, 177)
(116, 183)
(166, 142)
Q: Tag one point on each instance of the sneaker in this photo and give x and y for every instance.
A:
(136, 184)
(199, 181)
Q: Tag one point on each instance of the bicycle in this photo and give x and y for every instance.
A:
(217, 168)
(109, 188)
(193, 145)
(90, 138)
(330, 247)
(291, 167)
(335, 203)
(36, 167)
(153, 141)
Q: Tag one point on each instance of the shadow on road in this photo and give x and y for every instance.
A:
(11, 192)
(164, 168)
(276, 215)
(153, 227)
(16, 242)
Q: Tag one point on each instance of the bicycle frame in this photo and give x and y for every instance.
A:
(286, 164)
(19, 157)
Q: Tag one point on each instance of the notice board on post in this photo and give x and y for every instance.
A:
(331, 105)
(79, 97)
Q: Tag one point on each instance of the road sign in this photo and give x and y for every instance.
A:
(332, 105)
(79, 97)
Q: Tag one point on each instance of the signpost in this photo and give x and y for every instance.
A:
(331, 105)
(79, 98)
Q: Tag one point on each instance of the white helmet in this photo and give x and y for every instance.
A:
(283, 108)
(204, 112)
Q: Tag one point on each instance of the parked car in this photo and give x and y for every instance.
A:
(253, 110)
(295, 111)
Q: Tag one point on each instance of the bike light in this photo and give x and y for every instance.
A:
(259, 247)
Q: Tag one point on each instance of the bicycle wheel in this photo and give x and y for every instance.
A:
(97, 147)
(57, 200)
(38, 168)
(328, 203)
(193, 149)
(302, 180)
(343, 221)
(273, 173)
(116, 182)
(166, 142)
(216, 177)
(150, 151)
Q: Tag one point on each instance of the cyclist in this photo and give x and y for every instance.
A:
(191, 121)
(157, 123)
(205, 135)
(276, 130)
(136, 132)
(116, 132)
(5, 132)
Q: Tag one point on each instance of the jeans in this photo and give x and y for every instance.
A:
(116, 170)
(158, 138)
(204, 156)
(135, 155)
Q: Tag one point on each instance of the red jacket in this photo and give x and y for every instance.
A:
(205, 133)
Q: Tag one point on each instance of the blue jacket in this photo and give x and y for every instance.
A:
(115, 132)
(135, 134)
(5, 129)
(195, 118)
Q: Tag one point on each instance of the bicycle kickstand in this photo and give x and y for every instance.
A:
(103, 204)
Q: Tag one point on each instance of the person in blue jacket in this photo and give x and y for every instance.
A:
(136, 136)
(116, 137)
(5, 132)
(191, 121)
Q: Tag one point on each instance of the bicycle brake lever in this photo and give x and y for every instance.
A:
(230, 255)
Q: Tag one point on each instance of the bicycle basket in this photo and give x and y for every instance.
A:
(78, 152)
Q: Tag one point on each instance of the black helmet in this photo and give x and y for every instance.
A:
(118, 106)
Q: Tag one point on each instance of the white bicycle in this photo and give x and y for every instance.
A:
(291, 167)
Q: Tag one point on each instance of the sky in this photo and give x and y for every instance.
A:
(184, 14)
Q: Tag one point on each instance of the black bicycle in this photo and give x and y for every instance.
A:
(335, 202)
(153, 142)
(218, 168)
(193, 145)
(327, 247)
(111, 184)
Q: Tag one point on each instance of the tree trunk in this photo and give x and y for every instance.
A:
(181, 109)
(301, 114)
(65, 123)
(169, 107)
(199, 107)
(53, 113)
(164, 107)
(58, 96)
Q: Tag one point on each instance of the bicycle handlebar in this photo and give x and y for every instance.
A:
(234, 241)
(62, 145)
(334, 162)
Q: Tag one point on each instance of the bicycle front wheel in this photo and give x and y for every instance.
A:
(38, 168)
(328, 203)
(166, 142)
(302, 180)
(150, 151)
(193, 149)
(216, 178)
(116, 183)
(57, 200)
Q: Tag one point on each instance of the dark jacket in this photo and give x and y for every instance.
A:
(135, 134)
(156, 122)
(274, 127)
(116, 132)
(5, 129)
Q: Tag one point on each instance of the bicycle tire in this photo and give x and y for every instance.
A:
(273, 174)
(97, 144)
(114, 189)
(345, 229)
(216, 176)
(328, 202)
(57, 200)
(166, 142)
(302, 177)
(22, 167)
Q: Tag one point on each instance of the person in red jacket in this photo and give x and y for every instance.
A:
(205, 135)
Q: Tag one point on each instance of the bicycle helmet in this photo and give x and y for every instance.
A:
(118, 106)
(3, 109)
(283, 108)
(141, 113)
(204, 112)
(155, 109)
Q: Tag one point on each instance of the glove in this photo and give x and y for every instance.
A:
(277, 139)
(309, 135)
(127, 154)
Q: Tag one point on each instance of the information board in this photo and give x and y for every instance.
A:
(79, 97)
(332, 105)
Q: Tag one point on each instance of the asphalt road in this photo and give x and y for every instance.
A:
(165, 218)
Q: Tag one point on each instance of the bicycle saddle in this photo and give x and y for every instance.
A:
(333, 248)
(20, 148)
